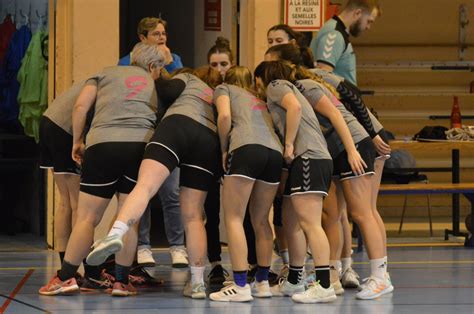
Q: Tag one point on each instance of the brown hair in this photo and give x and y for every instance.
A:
(222, 45)
(366, 5)
(275, 70)
(147, 24)
(292, 34)
(208, 75)
(240, 76)
(292, 54)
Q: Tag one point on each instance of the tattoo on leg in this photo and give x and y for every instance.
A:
(131, 222)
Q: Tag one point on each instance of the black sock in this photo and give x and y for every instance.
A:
(61, 257)
(91, 271)
(67, 271)
(295, 274)
(109, 265)
(121, 273)
(322, 275)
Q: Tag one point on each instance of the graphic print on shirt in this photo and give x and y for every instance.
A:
(329, 45)
(257, 104)
(136, 84)
(206, 95)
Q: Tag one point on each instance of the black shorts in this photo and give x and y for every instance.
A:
(309, 176)
(184, 142)
(55, 148)
(111, 167)
(255, 162)
(384, 137)
(342, 168)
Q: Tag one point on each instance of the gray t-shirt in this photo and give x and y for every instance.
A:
(125, 108)
(313, 92)
(60, 110)
(194, 102)
(375, 122)
(309, 142)
(251, 121)
(331, 78)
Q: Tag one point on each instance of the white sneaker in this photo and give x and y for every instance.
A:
(103, 248)
(196, 291)
(349, 278)
(374, 288)
(315, 294)
(286, 289)
(145, 257)
(365, 280)
(261, 289)
(179, 257)
(337, 286)
(233, 293)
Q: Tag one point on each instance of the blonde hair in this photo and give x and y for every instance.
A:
(367, 5)
(145, 54)
(240, 76)
(147, 24)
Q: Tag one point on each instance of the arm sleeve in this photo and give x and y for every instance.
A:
(329, 48)
(169, 90)
(277, 89)
(221, 90)
(350, 96)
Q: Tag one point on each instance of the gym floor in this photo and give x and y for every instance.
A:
(434, 279)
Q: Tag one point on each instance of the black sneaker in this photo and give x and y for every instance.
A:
(272, 278)
(218, 275)
(90, 284)
(251, 274)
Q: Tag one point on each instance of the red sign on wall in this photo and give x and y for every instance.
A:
(212, 15)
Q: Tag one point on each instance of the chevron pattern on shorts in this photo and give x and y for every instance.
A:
(306, 175)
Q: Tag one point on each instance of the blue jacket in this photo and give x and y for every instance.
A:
(176, 64)
(9, 86)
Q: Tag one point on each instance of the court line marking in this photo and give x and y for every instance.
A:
(15, 291)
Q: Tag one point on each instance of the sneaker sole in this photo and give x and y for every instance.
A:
(312, 301)
(262, 295)
(196, 296)
(120, 293)
(63, 291)
(95, 258)
(180, 265)
(150, 264)
(246, 299)
(375, 296)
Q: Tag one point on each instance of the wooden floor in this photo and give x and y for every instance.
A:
(426, 279)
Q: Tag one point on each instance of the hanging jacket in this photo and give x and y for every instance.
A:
(33, 78)
(9, 85)
(7, 29)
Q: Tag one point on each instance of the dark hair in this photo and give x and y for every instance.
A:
(275, 70)
(208, 75)
(297, 55)
(366, 5)
(292, 34)
(222, 45)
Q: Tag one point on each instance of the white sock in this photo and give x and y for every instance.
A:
(346, 263)
(377, 268)
(197, 274)
(119, 228)
(385, 260)
(339, 266)
(333, 269)
(285, 257)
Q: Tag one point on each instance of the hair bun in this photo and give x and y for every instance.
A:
(222, 42)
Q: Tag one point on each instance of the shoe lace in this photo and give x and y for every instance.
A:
(139, 280)
(107, 277)
(313, 283)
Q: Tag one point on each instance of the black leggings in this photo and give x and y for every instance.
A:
(211, 207)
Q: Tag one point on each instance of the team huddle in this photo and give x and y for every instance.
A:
(288, 136)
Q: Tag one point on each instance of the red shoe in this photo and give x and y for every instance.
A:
(123, 290)
(56, 286)
(137, 280)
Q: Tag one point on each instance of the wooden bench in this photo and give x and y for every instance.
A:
(467, 189)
